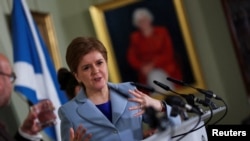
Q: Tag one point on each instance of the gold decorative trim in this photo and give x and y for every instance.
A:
(46, 28)
(189, 44)
(98, 18)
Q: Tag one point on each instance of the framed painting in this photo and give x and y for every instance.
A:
(147, 40)
(46, 28)
(238, 17)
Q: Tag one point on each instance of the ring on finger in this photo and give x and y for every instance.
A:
(141, 106)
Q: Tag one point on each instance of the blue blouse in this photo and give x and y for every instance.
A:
(105, 108)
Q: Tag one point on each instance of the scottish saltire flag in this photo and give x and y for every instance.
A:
(36, 74)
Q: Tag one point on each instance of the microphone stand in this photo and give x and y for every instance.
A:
(208, 95)
(155, 120)
(210, 103)
(177, 111)
(189, 98)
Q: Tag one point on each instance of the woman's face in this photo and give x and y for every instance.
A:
(144, 22)
(92, 71)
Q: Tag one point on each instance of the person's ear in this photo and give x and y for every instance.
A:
(1, 86)
(77, 78)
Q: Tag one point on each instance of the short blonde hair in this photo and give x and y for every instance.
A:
(140, 13)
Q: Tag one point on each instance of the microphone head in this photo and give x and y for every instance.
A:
(151, 114)
(175, 111)
(143, 87)
(163, 86)
(176, 81)
(177, 100)
(174, 100)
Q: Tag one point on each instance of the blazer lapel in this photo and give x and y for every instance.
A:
(118, 102)
(88, 111)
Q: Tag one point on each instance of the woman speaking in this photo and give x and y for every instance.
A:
(102, 111)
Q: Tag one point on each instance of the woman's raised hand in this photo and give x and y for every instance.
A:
(79, 134)
(143, 101)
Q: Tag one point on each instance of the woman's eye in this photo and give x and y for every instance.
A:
(99, 63)
(86, 68)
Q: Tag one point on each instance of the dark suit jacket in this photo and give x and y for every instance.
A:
(5, 136)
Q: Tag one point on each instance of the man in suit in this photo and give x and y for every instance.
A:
(29, 130)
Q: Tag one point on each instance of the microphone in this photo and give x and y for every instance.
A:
(177, 110)
(208, 93)
(176, 81)
(156, 120)
(152, 118)
(163, 86)
(189, 98)
(123, 94)
(176, 100)
(144, 87)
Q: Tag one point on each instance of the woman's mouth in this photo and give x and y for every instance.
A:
(97, 79)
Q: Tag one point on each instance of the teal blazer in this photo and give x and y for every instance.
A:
(124, 126)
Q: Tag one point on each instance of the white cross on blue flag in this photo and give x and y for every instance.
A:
(36, 74)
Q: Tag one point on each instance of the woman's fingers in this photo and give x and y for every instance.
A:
(140, 109)
(136, 93)
(88, 137)
(72, 134)
(79, 134)
(135, 107)
(139, 113)
(137, 100)
(139, 92)
(143, 101)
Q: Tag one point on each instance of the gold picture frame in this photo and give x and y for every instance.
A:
(237, 14)
(47, 31)
(103, 23)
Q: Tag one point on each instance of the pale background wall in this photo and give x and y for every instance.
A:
(208, 28)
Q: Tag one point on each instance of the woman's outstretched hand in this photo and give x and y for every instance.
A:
(79, 134)
(143, 101)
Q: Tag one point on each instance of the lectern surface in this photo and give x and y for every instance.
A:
(186, 126)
